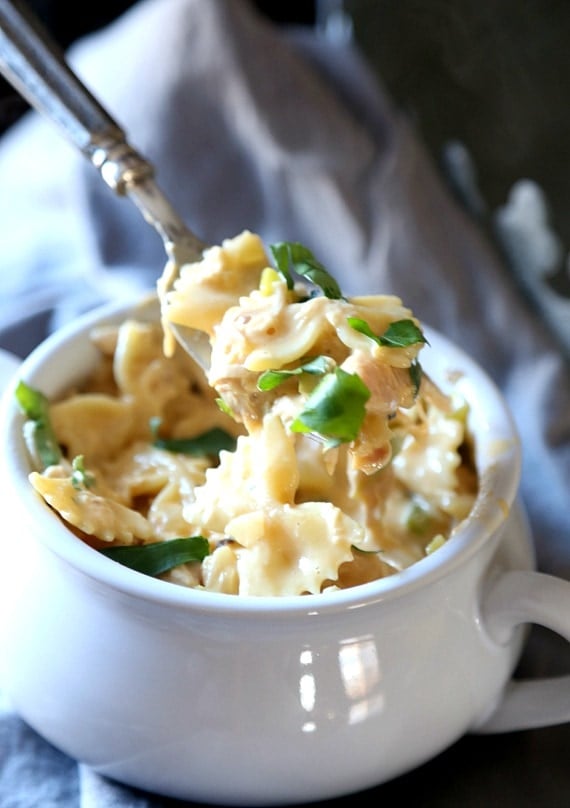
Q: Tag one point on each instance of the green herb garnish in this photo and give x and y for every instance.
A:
(39, 430)
(273, 378)
(210, 442)
(419, 519)
(158, 557)
(224, 407)
(304, 263)
(399, 334)
(416, 375)
(335, 409)
(80, 477)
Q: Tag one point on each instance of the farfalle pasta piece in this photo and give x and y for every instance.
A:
(292, 550)
(206, 289)
(93, 514)
(137, 345)
(267, 332)
(143, 470)
(219, 571)
(166, 512)
(429, 460)
(93, 425)
(261, 471)
(378, 312)
(144, 373)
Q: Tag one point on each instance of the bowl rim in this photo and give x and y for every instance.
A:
(498, 438)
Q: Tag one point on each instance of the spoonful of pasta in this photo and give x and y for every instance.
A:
(36, 68)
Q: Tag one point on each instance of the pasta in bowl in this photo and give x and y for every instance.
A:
(318, 454)
(227, 573)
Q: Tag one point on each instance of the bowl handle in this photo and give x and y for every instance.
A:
(515, 598)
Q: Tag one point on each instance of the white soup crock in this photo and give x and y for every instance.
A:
(258, 701)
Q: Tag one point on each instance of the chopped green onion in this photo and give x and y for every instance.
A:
(335, 409)
(273, 378)
(80, 477)
(159, 557)
(287, 253)
(224, 407)
(35, 407)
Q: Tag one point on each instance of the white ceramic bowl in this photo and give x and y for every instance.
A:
(259, 701)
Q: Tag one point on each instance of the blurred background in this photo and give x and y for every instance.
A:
(67, 22)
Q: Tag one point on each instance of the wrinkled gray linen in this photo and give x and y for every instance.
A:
(290, 136)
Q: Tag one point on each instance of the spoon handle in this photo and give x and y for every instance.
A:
(35, 65)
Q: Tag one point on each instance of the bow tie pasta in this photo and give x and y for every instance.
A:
(315, 455)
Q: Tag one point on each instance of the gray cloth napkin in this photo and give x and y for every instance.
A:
(290, 136)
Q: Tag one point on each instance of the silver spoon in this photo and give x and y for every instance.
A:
(35, 66)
